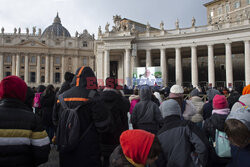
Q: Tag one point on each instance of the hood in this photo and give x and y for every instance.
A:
(211, 93)
(136, 145)
(170, 107)
(84, 78)
(246, 90)
(40, 88)
(145, 93)
(244, 99)
(68, 76)
(13, 87)
(194, 92)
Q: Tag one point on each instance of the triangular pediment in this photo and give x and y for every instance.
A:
(32, 43)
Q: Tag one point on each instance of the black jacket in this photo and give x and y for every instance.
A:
(87, 152)
(179, 138)
(23, 141)
(146, 114)
(216, 121)
(47, 104)
(207, 110)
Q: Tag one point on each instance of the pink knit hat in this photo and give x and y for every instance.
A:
(220, 102)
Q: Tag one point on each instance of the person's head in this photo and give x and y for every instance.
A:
(220, 102)
(170, 107)
(211, 93)
(111, 83)
(237, 127)
(84, 78)
(40, 88)
(13, 87)
(49, 90)
(246, 90)
(68, 76)
(140, 147)
(136, 91)
(194, 92)
(147, 73)
(145, 93)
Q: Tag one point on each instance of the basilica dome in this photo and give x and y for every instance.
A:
(56, 29)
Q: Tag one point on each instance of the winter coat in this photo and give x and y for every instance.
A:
(87, 153)
(146, 114)
(207, 110)
(23, 140)
(133, 99)
(117, 158)
(179, 139)
(216, 121)
(198, 103)
(240, 156)
(232, 99)
(189, 111)
(66, 85)
(119, 107)
(47, 103)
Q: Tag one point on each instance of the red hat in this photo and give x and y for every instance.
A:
(246, 90)
(13, 87)
(220, 102)
(136, 145)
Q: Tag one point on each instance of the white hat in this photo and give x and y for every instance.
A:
(176, 89)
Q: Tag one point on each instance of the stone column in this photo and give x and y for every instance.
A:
(229, 65)
(38, 69)
(47, 69)
(163, 67)
(211, 73)
(247, 62)
(13, 63)
(63, 68)
(1, 66)
(148, 58)
(18, 65)
(194, 64)
(127, 67)
(26, 69)
(51, 69)
(106, 65)
(178, 66)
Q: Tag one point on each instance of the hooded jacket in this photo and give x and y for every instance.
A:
(146, 114)
(208, 107)
(179, 138)
(243, 100)
(88, 151)
(198, 103)
(23, 141)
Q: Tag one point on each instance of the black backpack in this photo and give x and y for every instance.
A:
(68, 132)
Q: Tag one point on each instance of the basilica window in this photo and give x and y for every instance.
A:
(7, 73)
(85, 44)
(32, 77)
(42, 79)
(43, 60)
(58, 61)
(227, 8)
(219, 10)
(22, 60)
(237, 5)
(85, 61)
(33, 59)
(8, 59)
(57, 77)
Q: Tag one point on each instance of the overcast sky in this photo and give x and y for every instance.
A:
(77, 15)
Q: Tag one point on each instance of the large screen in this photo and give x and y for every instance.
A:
(147, 75)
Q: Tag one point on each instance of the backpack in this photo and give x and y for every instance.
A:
(222, 145)
(68, 131)
(37, 103)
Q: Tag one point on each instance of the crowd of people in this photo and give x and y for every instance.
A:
(153, 127)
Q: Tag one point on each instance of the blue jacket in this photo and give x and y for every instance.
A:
(240, 157)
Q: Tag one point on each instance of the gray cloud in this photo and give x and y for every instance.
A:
(77, 15)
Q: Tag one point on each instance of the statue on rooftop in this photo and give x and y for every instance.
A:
(162, 25)
(193, 22)
(2, 30)
(19, 30)
(27, 31)
(34, 30)
(15, 30)
(107, 28)
(177, 26)
(39, 31)
(148, 26)
(76, 35)
(99, 31)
